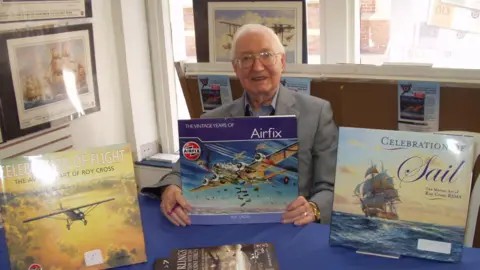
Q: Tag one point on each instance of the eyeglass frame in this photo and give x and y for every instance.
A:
(257, 56)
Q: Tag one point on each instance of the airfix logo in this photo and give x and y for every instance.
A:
(35, 267)
(191, 151)
(406, 87)
(204, 82)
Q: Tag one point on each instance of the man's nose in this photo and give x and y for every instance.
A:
(258, 65)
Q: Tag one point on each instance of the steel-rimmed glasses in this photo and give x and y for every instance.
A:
(266, 58)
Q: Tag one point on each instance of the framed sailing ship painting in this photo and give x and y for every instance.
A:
(214, 40)
(48, 76)
(400, 193)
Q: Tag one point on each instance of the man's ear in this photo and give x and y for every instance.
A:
(234, 66)
(284, 61)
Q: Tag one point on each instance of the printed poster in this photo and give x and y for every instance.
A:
(214, 90)
(418, 106)
(301, 85)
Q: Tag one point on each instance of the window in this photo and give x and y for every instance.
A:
(419, 31)
(374, 32)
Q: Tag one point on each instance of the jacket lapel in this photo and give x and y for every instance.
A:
(238, 108)
(286, 103)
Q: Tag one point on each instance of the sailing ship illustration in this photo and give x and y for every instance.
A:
(53, 84)
(377, 194)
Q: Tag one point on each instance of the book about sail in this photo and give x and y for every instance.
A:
(259, 256)
(402, 193)
(75, 209)
(239, 170)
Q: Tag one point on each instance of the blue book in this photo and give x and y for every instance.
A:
(239, 170)
(400, 193)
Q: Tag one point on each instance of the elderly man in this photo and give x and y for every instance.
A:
(259, 60)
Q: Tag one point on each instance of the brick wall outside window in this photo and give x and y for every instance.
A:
(374, 34)
(367, 6)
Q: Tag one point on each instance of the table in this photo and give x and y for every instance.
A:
(298, 248)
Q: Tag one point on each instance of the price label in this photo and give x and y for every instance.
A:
(93, 257)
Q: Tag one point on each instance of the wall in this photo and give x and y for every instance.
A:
(108, 125)
(124, 79)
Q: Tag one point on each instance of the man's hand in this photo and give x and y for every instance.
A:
(299, 212)
(174, 206)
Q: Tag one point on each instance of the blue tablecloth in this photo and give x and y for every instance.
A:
(297, 248)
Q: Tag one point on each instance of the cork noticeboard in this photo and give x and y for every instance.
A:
(373, 104)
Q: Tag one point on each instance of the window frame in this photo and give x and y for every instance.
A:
(163, 71)
(339, 44)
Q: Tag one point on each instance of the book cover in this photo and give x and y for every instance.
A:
(259, 256)
(214, 90)
(239, 170)
(75, 209)
(402, 193)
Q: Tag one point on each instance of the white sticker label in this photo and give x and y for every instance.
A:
(93, 257)
(434, 246)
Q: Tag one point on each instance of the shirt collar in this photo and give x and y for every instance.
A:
(263, 107)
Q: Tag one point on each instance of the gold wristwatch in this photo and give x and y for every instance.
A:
(315, 210)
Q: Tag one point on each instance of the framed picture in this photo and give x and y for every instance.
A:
(453, 17)
(286, 18)
(33, 10)
(470, 4)
(46, 76)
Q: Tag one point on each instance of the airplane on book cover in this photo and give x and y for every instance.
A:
(280, 29)
(228, 173)
(72, 214)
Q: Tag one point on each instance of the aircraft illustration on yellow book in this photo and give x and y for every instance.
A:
(72, 214)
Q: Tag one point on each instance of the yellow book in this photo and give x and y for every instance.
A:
(74, 209)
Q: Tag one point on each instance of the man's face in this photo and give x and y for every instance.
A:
(258, 63)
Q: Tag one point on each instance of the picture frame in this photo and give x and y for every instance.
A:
(286, 17)
(454, 17)
(34, 10)
(48, 77)
(1, 129)
(470, 4)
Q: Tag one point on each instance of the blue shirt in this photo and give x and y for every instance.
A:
(265, 110)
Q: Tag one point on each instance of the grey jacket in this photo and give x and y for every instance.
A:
(318, 140)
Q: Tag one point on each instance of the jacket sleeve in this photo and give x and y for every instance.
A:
(171, 178)
(324, 159)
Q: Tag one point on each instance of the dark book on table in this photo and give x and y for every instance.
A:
(259, 256)
(239, 170)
